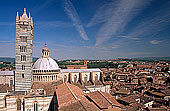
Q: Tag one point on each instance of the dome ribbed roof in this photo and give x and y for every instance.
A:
(45, 64)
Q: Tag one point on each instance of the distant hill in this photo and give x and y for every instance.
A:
(153, 58)
(8, 59)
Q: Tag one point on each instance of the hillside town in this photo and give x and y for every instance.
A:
(130, 86)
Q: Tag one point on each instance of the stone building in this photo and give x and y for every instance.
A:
(34, 100)
(7, 77)
(23, 60)
(83, 75)
(84, 66)
(35, 84)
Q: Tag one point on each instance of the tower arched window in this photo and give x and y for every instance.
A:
(23, 49)
(23, 57)
(23, 39)
(23, 67)
(18, 104)
(35, 106)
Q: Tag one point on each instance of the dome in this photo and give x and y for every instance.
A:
(45, 64)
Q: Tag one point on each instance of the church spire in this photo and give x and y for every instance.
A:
(17, 17)
(24, 15)
(45, 52)
(29, 16)
(24, 10)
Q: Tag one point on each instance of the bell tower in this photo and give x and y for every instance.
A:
(23, 60)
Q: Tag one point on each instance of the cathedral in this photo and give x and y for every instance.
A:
(45, 69)
(35, 83)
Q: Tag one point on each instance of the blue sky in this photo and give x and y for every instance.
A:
(90, 29)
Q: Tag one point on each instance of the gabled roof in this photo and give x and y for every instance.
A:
(71, 98)
(103, 100)
(24, 16)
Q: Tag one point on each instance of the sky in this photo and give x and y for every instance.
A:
(90, 29)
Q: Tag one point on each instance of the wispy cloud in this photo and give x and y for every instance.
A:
(155, 42)
(73, 15)
(153, 24)
(6, 23)
(116, 16)
(53, 24)
(7, 41)
(130, 37)
(39, 7)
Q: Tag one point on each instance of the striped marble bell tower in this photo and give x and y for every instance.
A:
(23, 60)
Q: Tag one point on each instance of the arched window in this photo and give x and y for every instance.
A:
(75, 78)
(56, 77)
(35, 106)
(23, 67)
(11, 83)
(96, 77)
(65, 78)
(18, 104)
(23, 39)
(22, 75)
(23, 57)
(23, 49)
(85, 78)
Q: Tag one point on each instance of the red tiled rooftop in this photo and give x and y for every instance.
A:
(98, 99)
(71, 98)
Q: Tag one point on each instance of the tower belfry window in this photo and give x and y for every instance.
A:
(23, 57)
(23, 38)
(23, 48)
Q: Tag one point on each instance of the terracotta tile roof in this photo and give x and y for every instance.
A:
(99, 100)
(71, 98)
(128, 99)
(157, 109)
(49, 87)
(111, 99)
(103, 100)
(128, 108)
(123, 91)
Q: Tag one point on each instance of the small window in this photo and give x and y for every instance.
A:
(75, 78)
(96, 77)
(65, 78)
(85, 78)
(22, 75)
(23, 67)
